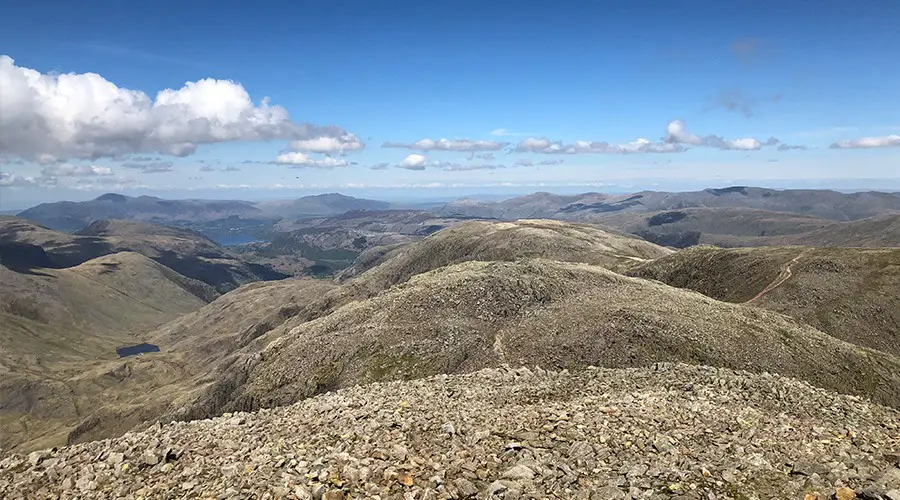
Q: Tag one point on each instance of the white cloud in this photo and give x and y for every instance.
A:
(48, 117)
(463, 145)
(347, 143)
(68, 170)
(153, 167)
(14, 180)
(641, 145)
(887, 141)
(677, 137)
(413, 162)
(676, 132)
(301, 160)
(538, 145)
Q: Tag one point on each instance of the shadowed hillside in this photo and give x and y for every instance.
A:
(820, 203)
(195, 347)
(848, 293)
(185, 251)
(736, 227)
(60, 324)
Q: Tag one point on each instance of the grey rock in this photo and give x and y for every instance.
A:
(519, 472)
(609, 492)
(465, 488)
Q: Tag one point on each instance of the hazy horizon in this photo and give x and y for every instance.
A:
(450, 193)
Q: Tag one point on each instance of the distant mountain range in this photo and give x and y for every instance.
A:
(824, 204)
(71, 216)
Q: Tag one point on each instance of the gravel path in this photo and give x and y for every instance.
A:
(783, 276)
(667, 431)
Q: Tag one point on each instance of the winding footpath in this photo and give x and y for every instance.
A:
(783, 276)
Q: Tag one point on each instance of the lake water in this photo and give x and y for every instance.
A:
(133, 350)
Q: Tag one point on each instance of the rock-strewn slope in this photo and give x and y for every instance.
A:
(474, 315)
(849, 293)
(509, 241)
(667, 431)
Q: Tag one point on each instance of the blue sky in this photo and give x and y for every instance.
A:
(746, 85)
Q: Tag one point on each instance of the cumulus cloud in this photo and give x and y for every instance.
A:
(344, 144)
(153, 167)
(49, 117)
(302, 160)
(887, 141)
(677, 133)
(676, 138)
(641, 145)
(523, 163)
(14, 180)
(68, 170)
(380, 166)
(231, 168)
(414, 162)
(551, 162)
(460, 145)
(207, 168)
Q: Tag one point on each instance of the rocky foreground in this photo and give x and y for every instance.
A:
(668, 431)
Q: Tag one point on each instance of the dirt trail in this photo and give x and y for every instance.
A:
(783, 276)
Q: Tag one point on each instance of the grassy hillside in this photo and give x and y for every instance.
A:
(58, 325)
(821, 203)
(196, 347)
(552, 314)
(848, 293)
(743, 227)
(485, 294)
(509, 241)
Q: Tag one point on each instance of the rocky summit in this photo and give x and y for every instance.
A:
(664, 431)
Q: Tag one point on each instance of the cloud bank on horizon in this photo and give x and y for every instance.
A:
(76, 125)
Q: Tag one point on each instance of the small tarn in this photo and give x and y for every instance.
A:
(134, 350)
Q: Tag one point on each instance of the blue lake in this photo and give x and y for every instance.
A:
(133, 350)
